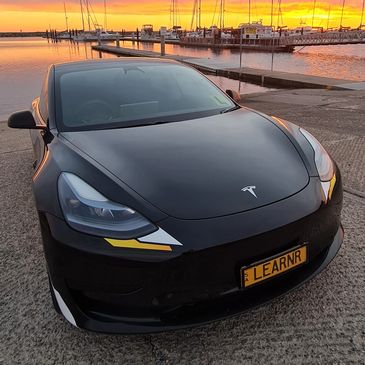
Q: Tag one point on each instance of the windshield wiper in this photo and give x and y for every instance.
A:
(230, 109)
(154, 122)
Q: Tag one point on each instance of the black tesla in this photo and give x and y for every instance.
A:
(164, 204)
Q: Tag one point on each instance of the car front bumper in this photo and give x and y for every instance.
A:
(114, 290)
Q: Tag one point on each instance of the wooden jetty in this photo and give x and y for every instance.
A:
(261, 77)
(149, 40)
(130, 52)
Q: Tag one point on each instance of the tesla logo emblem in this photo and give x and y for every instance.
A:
(250, 190)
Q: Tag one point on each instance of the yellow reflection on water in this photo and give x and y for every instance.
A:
(23, 64)
(24, 61)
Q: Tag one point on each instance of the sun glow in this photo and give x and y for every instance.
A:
(36, 15)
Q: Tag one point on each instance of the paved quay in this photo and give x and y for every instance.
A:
(261, 77)
(321, 323)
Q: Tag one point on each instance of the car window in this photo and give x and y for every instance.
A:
(134, 94)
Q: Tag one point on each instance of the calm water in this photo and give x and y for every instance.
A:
(23, 63)
(342, 61)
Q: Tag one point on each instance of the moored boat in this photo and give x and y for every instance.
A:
(95, 36)
(255, 36)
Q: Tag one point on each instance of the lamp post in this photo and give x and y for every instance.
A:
(239, 74)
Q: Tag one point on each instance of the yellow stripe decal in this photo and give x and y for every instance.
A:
(332, 186)
(137, 244)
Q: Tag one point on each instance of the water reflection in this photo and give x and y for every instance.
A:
(246, 88)
(23, 63)
(342, 61)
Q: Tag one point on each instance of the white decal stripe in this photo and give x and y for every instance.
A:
(160, 236)
(63, 307)
(326, 187)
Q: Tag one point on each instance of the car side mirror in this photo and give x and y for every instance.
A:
(234, 95)
(23, 120)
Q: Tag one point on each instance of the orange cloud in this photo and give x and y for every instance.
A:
(31, 15)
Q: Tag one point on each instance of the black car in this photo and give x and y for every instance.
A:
(164, 204)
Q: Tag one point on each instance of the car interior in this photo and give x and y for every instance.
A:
(132, 93)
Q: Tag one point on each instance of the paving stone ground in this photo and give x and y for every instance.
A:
(321, 323)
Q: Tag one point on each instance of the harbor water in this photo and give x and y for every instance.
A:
(23, 62)
(341, 61)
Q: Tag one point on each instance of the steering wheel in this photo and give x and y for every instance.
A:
(95, 111)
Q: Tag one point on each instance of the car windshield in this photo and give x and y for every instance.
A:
(135, 94)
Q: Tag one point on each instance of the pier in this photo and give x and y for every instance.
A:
(267, 78)
(148, 40)
(282, 43)
(324, 38)
(130, 52)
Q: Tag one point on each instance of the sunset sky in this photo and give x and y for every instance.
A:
(33, 15)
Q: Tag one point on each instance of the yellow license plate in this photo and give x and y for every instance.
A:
(268, 268)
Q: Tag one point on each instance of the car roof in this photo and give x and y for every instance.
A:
(106, 63)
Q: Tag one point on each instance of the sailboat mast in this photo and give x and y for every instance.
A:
(82, 16)
(66, 18)
(193, 16)
(224, 12)
(343, 6)
(362, 13)
(272, 13)
(249, 11)
(279, 14)
(170, 24)
(105, 16)
(173, 13)
(314, 9)
(196, 15)
(221, 15)
(88, 14)
(328, 17)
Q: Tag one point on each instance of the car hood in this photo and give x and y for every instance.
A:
(197, 169)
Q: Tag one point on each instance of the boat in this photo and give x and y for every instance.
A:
(99, 33)
(94, 36)
(146, 32)
(255, 36)
(66, 35)
(256, 30)
(172, 34)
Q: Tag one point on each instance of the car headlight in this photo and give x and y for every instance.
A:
(322, 160)
(86, 210)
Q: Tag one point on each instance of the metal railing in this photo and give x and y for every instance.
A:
(325, 38)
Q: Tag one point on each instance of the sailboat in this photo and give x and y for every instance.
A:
(255, 35)
(66, 34)
(98, 33)
(174, 32)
